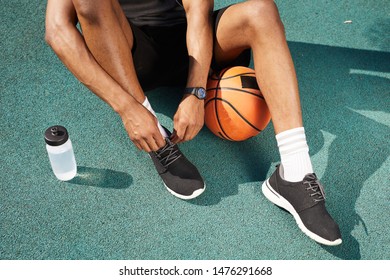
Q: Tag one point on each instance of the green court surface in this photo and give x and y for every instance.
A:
(118, 208)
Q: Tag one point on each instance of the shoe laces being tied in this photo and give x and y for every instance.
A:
(168, 154)
(315, 187)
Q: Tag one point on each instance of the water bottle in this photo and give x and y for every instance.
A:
(60, 151)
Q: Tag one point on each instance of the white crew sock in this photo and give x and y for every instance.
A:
(147, 105)
(294, 154)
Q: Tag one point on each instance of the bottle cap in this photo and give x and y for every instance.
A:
(56, 135)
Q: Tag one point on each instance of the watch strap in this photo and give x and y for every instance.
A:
(195, 91)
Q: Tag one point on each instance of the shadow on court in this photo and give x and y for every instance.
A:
(342, 91)
(102, 178)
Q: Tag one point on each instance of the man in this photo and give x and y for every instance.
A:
(131, 46)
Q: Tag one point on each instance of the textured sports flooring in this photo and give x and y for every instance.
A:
(117, 206)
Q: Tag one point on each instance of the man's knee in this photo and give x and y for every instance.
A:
(92, 10)
(262, 15)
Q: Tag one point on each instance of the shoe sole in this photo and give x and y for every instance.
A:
(187, 197)
(278, 200)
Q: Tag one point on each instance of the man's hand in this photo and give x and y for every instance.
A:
(188, 120)
(142, 128)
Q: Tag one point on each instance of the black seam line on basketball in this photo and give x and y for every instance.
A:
(216, 109)
(237, 89)
(224, 136)
(229, 77)
(237, 75)
(223, 100)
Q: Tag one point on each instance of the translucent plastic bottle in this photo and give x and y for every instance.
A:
(60, 151)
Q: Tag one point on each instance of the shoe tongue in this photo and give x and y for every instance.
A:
(165, 150)
(315, 185)
(169, 153)
(310, 177)
(169, 142)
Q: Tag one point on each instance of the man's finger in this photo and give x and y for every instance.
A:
(190, 134)
(145, 146)
(180, 134)
(138, 146)
(160, 141)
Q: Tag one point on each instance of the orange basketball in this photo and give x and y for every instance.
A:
(235, 109)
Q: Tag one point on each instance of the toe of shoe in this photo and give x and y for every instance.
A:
(321, 226)
(184, 188)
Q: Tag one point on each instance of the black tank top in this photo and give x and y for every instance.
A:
(153, 12)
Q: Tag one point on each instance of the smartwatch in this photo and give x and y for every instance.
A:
(199, 92)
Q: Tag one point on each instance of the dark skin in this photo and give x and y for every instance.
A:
(100, 57)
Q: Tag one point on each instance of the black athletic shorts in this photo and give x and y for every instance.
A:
(161, 58)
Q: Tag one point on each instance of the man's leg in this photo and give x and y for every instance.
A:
(261, 29)
(256, 24)
(110, 40)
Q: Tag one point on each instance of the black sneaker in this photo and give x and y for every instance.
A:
(180, 176)
(305, 200)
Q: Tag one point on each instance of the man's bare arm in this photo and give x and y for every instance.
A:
(199, 40)
(69, 45)
(189, 118)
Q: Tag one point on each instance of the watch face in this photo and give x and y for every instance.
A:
(201, 93)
